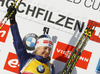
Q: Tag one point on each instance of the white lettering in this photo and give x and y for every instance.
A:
(13, 63)
(68, 54)
(97, 33)
(58, 50)
(3, 33)
(84, 59)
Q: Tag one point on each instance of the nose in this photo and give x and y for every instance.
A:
(48, 50)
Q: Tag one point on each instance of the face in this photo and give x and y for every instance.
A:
(43, 51)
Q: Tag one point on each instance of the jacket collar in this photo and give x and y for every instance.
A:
(40, 58)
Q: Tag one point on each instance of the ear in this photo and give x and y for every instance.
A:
(37, 49)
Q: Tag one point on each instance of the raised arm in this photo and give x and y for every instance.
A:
(18, 43)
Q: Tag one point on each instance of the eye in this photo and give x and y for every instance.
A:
(45, 47)
(49, 49)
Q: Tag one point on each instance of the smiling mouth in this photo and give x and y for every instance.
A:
(46, 55)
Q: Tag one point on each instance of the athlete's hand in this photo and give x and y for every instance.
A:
(10, 10)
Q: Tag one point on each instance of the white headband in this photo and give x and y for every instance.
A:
(44, 42)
